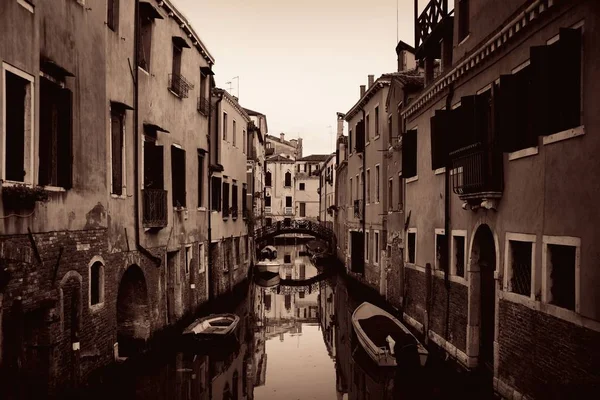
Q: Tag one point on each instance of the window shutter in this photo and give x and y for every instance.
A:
(409, 154)
(360, 137)
(65, 140)
(506, 111)
(467, 122)
(117, 154)
(540, 83)
(441, 131)
(568, 63)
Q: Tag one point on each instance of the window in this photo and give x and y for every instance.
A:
(459, 251)
(267, 201)
(287, 258)
(391, 194)
(200, 178)
(201, 255)
(178, 176)
(117, 126)
(463, 19)
(303, 209)
(244, 199)
(560, 263)
(400, 192)
(367, 239)
(234, 199)
(268, 221)
(224, 126)
(367, 130)
(288, 179)
(55, 146)
(268, 179)
(390, 133)
(377, 184)
(203, 84)
(376, 247)
(301, 186)
(96, 283)
(112, 14)
(215, 202)
(287, 301)
(520, 251)
(368, 186)
(188, 259)
(302, 271)
(441, 245)
(226, 199)
(147, 16)
(236, 250)
(244, 141)
(304, 167)
(357, 187)
(412, 245)
(234, 133)
(350, 140)
(376, 121)
(153, 165)
(409, 154)
(288, 201)
(351, 192)
(18, 129)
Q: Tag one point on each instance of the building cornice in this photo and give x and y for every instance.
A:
(174, 13)
(231, 100)
(481, 56)
(369, 94)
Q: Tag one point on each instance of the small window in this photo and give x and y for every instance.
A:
(188, 259)
(367, 246)
(412, 245)
(244, 141)
(288, 179)
(459, 252)
(520, 259)
(368, 186)
(234, 132)
(377, 183)
(216, 194)
(201, 255)
(376, 121)
(400, 192)
(146, 23)
(268, 179)
(200, 179)
(301, 186)
(224, 126)
(561, 260)
(390, 133)
(376, 247)
(351, 192)
(367, 130)
(287, 258)
(350, 141)
(226, 199)
(234, 199)
(112, 15)
(303, 209)
(268, 201)
(96, 283)
(117, 119)
(390, 194)
(463, 19)
(441, 244)
(288, 201)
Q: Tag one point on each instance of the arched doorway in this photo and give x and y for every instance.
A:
(133, 322)
(483, 294)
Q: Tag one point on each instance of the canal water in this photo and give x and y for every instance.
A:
(294, 341)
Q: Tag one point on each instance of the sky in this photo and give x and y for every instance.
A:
(300, 62)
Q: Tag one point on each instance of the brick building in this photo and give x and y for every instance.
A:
(500, 261)
(104, 184)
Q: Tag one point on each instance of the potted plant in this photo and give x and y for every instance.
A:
(21, 196)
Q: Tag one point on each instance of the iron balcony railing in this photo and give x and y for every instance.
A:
(203, 105)
(155, 208)
(429, 19)
(179, 85)
(358, 209)
(476, 172)
(289, 211)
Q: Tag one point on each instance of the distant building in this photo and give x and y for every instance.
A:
(306, 186)
(256, 165)
(327, 208)
(279, 145)
(279, 189)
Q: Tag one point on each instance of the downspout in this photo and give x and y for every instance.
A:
(136, 140)
(209, 208)
(364, 176)
(447, 219)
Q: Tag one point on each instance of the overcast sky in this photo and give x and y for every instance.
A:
(300, 62)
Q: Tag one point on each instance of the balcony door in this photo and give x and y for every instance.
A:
(153, 166)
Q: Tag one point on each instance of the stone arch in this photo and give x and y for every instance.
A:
(96, 282)
(133, 312)
(70, 304)
(482, 275)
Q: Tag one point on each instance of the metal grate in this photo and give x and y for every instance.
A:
(155, 208)
(203, 105)
(358, 212)
(520, 282)
(179, 85)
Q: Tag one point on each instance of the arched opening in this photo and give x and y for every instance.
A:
(288, 179)
(483, 293)
(133, 322)
(96, 283)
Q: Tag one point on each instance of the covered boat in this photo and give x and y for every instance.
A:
(214, 325)
(267, 266)
(378, 332)
(267, 279)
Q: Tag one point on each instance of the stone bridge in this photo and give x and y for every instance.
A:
(306, 227)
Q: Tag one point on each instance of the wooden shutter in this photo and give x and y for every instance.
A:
(153, 166)
(506, 121)
(47, 128)
(441, 131)
(568, 68)
(467, 122)
(117, 152)
(540, 62)
(65, 139)
(409, 154)
(360, 137)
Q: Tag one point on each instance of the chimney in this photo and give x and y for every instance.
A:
(340, 124)
(362, 90)
(371, 80)
(282, 136)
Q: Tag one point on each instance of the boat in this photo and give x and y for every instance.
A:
(376, 330)
(267, 266)
(214, 325)
(268, 252)
(267, 279)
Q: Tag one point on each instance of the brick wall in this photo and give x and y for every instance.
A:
(545, 357)
(457, 312)
(395, 292)
(415, 294)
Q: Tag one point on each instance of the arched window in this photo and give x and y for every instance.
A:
(288, 179)
(96, 285)
(268, 178)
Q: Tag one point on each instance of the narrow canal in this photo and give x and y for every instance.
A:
(294, 342)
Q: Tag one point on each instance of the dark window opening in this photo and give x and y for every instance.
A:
(16, 114)
(390, 133)
(215, 194)
(226, 199)
(268, 221)
(350, 140)
(412, 247)
(153, 165)
(288, 301)
(287, 258)
(234, 200)
(376, 121)
(267, 301)
(96, 284)
(55, 149)
(562, 275)
(441, 251)
(301, 186)
(200, 179)
(520, 281)
(459, 251)
(245, 200)
(288, 179)
(224, 126)
(357, 248)
(268, 201)
(409, 154)
(367, 129)
(176, 67)
(178, 176)
(268, 179)
(463, 19)
(288, 201)
(303, 209)
(302, 271)
(145, 48)
(301, 294)
(112, 15)
(390, 194)
(117, 121)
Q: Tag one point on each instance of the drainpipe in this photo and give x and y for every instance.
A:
(364, 176)
(136, 140)
(447, 219)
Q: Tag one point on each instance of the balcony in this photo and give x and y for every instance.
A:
(477, 174)
(234, 213)
(358, 209)
(203, 105)
(432, 25)
(179, 85)
(288, 211)
(155, 208)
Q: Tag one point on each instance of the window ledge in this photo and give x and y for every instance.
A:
(201, 208)
(26, 5)
(413, 179)
(530, 151)
(564, 135)
(118, 196)
(438, 273)
(440, 171)
(179, 209)
(377, 136)
(367, 143)
(414, 266)
(54, 189)
(174, 94)
(96, 307)
(15, 183)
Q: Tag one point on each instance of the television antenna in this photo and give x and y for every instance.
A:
(238, 85)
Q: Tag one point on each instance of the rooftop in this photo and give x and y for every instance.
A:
(315, 157)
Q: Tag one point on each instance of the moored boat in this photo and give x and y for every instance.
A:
(378, 331)
(267, 279)
(214, 325)
(267, 266)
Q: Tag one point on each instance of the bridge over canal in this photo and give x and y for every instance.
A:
(315, 229)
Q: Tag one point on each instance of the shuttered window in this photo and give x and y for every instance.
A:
(442, 132)
(409, 154)
(116, 122)
(225, 199)
(360, 137)
(178, 177)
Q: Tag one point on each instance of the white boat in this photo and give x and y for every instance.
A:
(376, 335)
(219, 325)
(267, 266)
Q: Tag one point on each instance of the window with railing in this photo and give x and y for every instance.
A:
(154, 208)
(203, 104)
(358, 209)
